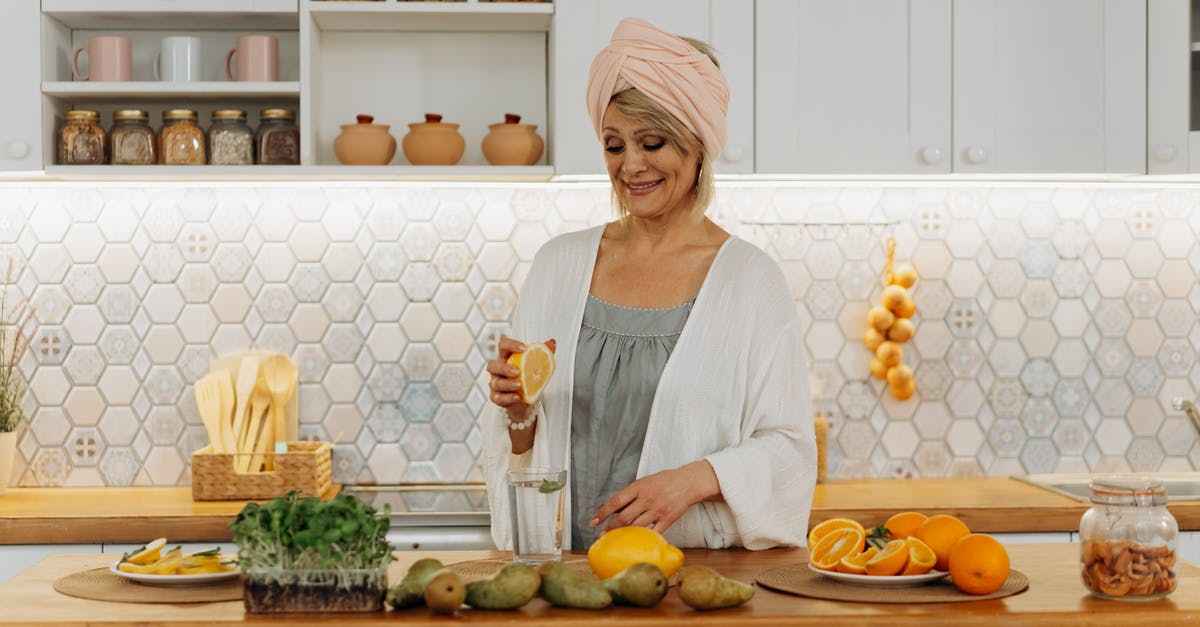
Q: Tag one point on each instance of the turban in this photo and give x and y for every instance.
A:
(668, 70)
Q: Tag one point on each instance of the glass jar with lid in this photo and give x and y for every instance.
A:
(230, 140)
(81, 141)
(180, 141)
(278, 139)
(132, 140)
(1128, 540)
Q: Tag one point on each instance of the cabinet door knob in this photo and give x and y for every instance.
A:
(17, 149)
(976, 155)
(931, 155)
(1164, 153)
(732, 153)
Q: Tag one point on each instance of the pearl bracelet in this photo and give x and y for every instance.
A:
(524, 424)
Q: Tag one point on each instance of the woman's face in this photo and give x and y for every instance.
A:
(651, 177)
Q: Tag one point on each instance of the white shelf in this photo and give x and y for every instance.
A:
(174, 14)
(296, 172)
(431, 16)
(203, 90)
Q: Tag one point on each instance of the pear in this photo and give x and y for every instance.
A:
(563, 587)
(704, 589)
(641, 585)
(410, 592)
(514, 586)
(445, 592)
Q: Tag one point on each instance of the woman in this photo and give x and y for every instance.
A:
(681, 399)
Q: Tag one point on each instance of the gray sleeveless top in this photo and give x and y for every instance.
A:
(621, 355)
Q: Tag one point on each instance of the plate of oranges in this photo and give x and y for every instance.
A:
(909, 549)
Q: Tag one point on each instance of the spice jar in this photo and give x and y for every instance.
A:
(230, 140)
(1128, 540)
(132, 139)
(181, 142)
(433, 142)
(81, 141)
(278, 139)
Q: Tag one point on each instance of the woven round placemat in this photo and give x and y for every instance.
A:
(100, 584)
(482, 569)
(798, 579)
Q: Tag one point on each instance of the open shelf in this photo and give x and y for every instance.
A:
(294, 172)
(197, 90)
(156, 14)
(431, 16)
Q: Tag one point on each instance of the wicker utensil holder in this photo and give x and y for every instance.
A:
(305, 467)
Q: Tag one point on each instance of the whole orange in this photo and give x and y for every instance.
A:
(940, 532)
(978, 564)
(904, 524)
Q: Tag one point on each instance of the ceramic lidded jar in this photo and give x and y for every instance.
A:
(365, 143)
(433, 142)
(512, 143)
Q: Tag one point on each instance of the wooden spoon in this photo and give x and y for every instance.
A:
(260, 401)
(282, 377)
(247, 373)
(225, 390)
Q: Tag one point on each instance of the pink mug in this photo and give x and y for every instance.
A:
(257, 59)
(109, 59)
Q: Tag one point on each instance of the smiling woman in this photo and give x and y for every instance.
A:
(655, 431)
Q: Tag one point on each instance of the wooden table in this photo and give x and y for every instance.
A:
(1055, 596)
(133, 515)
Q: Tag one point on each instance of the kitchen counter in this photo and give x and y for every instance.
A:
(1055, 595)
(132, 515)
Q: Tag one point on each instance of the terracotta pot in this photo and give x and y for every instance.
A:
(8, 453)
(433, 142)
(365, 143)
(512, 143)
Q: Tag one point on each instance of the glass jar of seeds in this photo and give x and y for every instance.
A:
(230, 140)
(278, 138)
(181, 142)
(81, 141)
(132, 140)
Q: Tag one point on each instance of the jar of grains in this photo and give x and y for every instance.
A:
(230, 140)
(278, 139)
(81, 140)
(180, 141)
(133, 141)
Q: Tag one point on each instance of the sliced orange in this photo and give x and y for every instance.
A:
(833, 524)
(856, 565)
(147, 554)
(830, 550)
(921, 558)
(536, 365)
(904, 524)
(890, 561)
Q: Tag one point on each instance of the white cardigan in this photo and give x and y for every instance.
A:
(734, 391)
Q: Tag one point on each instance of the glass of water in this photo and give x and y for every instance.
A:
(535, 506)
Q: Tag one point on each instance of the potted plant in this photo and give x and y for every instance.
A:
(15, 334)
(305, 554)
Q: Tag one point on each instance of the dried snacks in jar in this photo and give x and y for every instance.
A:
(230, 140)
(181, 141)
(133, 141)
(81, 141)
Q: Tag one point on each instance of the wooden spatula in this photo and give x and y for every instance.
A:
(247, 373)
(225, 390)
(260, 401)
(282, 379)
(208, 403)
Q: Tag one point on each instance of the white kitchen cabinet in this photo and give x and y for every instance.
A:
(20, 135)
(940, 86)
(1172, 88)
(582, 28)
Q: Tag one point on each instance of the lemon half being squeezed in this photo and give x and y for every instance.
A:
(536, 364)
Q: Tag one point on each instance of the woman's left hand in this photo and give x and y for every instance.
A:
(658, 500)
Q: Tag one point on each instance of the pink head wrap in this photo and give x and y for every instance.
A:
(668, 70)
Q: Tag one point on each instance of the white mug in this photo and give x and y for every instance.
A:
(178, 59)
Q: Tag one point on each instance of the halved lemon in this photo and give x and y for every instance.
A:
(149, 553)
(536, 365)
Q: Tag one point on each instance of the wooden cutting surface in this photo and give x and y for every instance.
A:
(1055, 596)
(83, 515)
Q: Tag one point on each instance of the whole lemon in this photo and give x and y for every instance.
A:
(889, 353)
(880, 318)
(893, 296)
(901, 331)
(905, 277)
(872, 339)
(623, 547)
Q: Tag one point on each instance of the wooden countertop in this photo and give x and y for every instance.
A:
(1055, 596)
(88, 515)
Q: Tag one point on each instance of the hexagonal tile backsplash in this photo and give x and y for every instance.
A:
(1055, 321)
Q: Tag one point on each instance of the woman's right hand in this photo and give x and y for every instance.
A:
(505, 384)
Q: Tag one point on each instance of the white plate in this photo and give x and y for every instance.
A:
(895, 581)
(174, 580)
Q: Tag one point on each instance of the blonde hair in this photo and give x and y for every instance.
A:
(639, 106)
